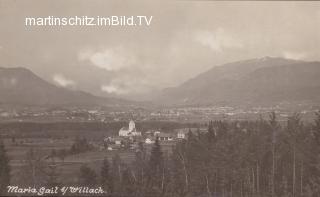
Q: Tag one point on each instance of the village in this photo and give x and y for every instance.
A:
(129, 138)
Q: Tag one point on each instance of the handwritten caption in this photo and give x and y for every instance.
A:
(55, 190)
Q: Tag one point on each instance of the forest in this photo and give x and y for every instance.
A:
(261, 158)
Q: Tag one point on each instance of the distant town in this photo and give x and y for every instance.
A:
(181, 114)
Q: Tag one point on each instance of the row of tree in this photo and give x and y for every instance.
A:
(259, 158)
(233, 159)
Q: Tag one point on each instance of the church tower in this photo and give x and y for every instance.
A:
(132, 126)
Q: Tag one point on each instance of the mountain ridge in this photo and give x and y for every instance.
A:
(20, 86)
(227, 83)
(266, 80)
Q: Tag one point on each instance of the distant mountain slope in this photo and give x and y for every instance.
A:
(257, 81)
(22, 87)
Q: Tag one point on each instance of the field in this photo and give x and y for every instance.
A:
(68, 167)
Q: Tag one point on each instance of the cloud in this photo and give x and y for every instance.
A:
(294, 55)
(62, 81)
(125, 84)
(218, 40)
(110, 59)
(125, 70)
(112, 89)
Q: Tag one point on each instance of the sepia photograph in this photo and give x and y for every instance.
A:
(150, 98)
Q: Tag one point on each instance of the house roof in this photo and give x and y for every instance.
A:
(124, 128)
(150, 138)
(164, 135)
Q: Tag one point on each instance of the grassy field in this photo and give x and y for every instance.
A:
(43, 137)
(68, 168)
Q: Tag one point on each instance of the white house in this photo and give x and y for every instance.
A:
(165, 136)
(129, 131)
(149, 140)
(182, 134)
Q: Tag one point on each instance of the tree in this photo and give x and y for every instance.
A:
(211, 132)
(80, 145)
(139, 169)
(106, 177)
(117, 169)
(317, 129)
(294, 127)
(62, 154)
(52, 174)
(128, 182)
(180, 171)
(87, 176)
(4, 169)
(155, 168)
(314, 185)
(33, 173)
(274, 127)
(156, 158)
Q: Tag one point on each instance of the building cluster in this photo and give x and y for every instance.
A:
(178, 114)
(130, 138)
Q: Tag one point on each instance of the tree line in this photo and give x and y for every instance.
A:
(233, 159)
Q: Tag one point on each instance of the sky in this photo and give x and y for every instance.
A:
(185, 38)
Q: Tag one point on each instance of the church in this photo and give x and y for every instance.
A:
(129, 131)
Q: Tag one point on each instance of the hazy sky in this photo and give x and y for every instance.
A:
(185, 38)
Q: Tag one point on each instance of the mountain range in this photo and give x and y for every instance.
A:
(20, 86)
(261, 81)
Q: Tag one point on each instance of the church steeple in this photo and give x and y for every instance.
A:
(132, 125)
